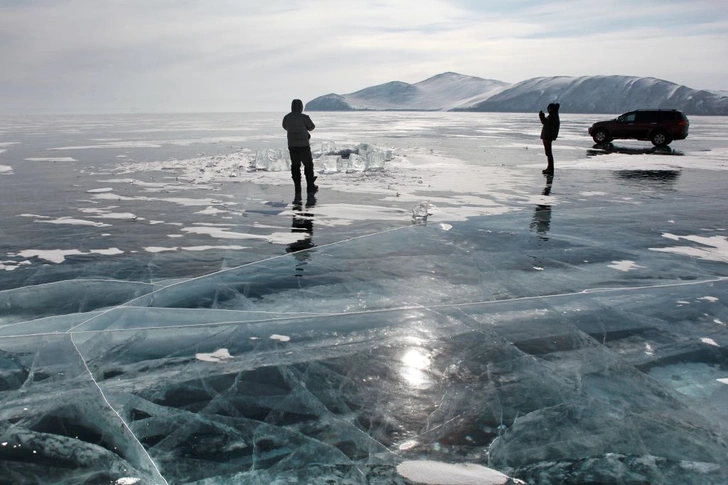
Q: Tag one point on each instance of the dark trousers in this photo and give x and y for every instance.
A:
(301, 155)
(549, 154)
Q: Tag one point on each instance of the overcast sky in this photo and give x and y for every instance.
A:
(100, 56)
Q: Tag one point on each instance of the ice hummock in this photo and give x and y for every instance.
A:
(328, 158)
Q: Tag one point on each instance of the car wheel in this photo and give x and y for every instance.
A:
(601, 136)
(660, 139)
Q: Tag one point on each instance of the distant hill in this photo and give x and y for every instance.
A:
(587, 94)
(438, 93)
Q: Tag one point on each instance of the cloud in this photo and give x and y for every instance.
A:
(190, 55)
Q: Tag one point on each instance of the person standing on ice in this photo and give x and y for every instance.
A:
(298, 125)
(549, 132)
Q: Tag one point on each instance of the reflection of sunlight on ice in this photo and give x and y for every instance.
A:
(414, 366)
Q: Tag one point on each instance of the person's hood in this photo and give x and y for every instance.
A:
(297, 106)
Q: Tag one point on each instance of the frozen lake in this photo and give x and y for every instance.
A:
(167, 315)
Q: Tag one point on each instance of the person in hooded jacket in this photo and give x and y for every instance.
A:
(298, 126)
(549, 133)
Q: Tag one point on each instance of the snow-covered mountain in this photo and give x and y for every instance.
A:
(438, 93)
(586, 94)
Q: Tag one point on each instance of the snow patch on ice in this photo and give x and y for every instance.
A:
(212, 211)
(159, 249)
(711, 299)
(127, 481)
(280, 338)
(709, 341)
(624, 265)
(6, 170)
(73, 222)
(101, 190)
(714, 248)
(438, 473)
(59, 255)
(216, 356)
(51, 159)
(116, 144)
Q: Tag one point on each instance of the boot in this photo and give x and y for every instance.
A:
(311, 187)
(297, 193)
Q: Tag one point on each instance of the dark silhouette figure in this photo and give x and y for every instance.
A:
(542, 215)
(549, 133)
(298, 126)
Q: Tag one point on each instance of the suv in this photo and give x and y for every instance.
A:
(660, 126)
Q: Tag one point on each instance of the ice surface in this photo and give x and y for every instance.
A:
(570, 330)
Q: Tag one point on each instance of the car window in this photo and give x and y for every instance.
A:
(627, 118)
(673, 116)
(647, 117)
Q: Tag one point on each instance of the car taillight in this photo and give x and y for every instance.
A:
(682, 123)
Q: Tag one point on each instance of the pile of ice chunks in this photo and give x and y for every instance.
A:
(420, 212)
(360, 158)
(271, 160)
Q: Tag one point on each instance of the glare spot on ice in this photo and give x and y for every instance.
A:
(538, 268)
(708, 298)
(624, 265)
(445, 227)
(438, 473)
(649, 350)
(414, 366)
(723, 381)
(216, 356)
(101, 190)
(709, 341)
(592, 193)
(280, 338)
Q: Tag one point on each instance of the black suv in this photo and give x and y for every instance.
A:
(660, 126)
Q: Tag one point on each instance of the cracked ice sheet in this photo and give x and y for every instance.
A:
(351, 390)
(413, 343)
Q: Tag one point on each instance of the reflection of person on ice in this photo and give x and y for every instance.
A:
(298, 126)
(549, 132)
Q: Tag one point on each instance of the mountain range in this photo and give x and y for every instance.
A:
(451, 91)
